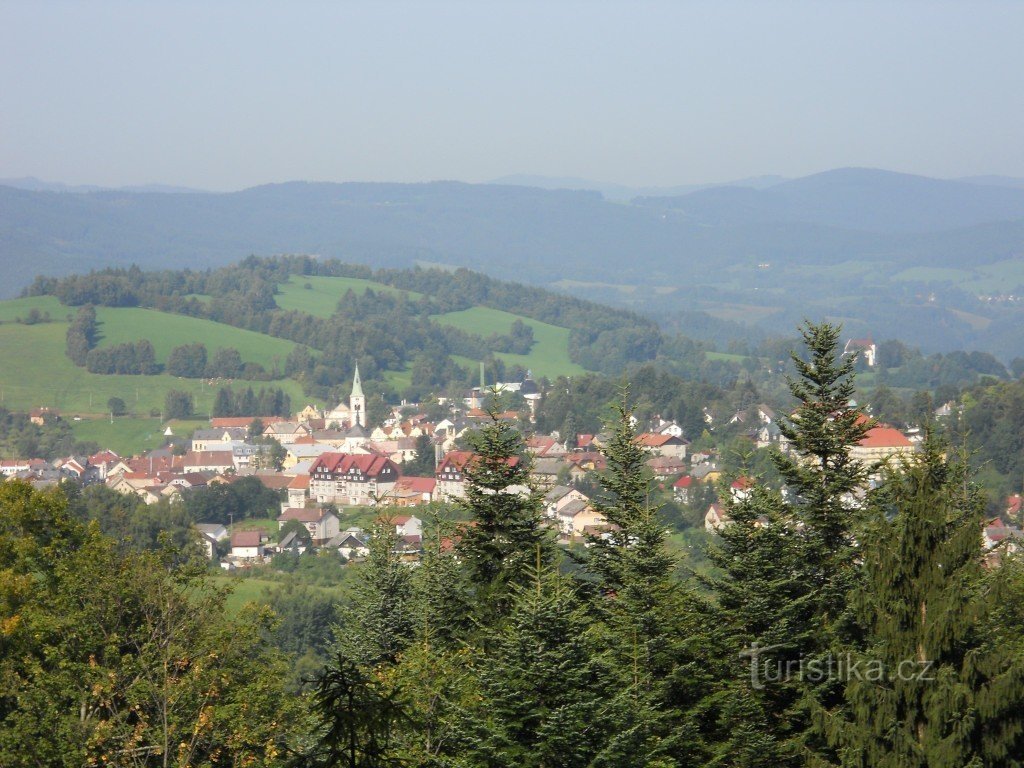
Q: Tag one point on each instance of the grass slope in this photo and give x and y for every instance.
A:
(129, 435)
(550, 354)
(35, 372)
(13, 309)
(167, 331)
(322, 297)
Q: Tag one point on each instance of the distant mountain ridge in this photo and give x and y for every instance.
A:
(855, 198)
(860, 245)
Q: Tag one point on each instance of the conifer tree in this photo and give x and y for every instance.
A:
(821, 432)
(632, 566)
(505, 506)
(641, 616)
(757, 618)
(377, 622)
(932, 686)
(540, 688)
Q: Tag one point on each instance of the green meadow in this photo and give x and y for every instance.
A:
(321, 298)
(13, 309)
(35, 371)
(132, 435)
(167, 331)
(550, 354)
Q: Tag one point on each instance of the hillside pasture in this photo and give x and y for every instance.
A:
(550, 354)
(13, 309)
(321, 298)
(36, 371)
(167, 331)
(131, 435)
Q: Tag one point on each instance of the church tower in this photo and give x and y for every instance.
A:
(357, 401)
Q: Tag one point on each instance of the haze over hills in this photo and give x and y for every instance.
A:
(888, 254)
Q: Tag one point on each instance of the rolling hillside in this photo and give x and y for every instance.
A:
(549, 356)
(36, 371)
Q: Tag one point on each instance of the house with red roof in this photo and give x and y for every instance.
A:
(663, 444)
(882, 443)
(247, 545)
(413, 491)
(352, 479)
(681, 489)
(450, 475)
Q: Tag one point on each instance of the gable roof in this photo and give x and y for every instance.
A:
(369, 464)
(246, 538)
(304, 514)
(884, 437)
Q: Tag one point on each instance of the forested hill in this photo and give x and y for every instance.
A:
(928, 261)
(413, 332)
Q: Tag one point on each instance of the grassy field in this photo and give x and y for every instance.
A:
(322, 296)
(130, 436)
(166, 331)
(11, 310)
(550, 354)
(35, 372)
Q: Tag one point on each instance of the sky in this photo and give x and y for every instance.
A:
(224, 95)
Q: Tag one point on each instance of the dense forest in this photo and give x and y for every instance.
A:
(829, 631)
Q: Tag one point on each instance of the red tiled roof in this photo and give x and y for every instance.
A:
(683, 482)
(299, 481)
(884, 437)
(246, 538)
(370, 464)
(417, 484)
(236, 421)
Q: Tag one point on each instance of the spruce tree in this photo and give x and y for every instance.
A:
(933, 685)
(757, 613)
(505, 506)
(641, 616)
(540, 688)
(377, 622)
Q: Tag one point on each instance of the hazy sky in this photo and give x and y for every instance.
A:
(223, 95)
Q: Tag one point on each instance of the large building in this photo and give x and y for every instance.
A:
(352, 479)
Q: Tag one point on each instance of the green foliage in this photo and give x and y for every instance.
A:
(178, 405)
(117, 406)
(505, 507)
(947, 692)
(125, 657)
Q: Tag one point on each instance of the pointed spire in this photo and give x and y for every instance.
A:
(357, 385)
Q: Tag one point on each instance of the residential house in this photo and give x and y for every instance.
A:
(247, 545)
(349, 544)
(286, 432)
(208, 461)
(404, 525)
(322, 524)
(716, 518)
(222, 439)
(412, 491)
(298, 491)
(682, 488)
(666, 467)
(577, 515)
(865, 347)
(881, 443)
(558, 497)
(450, 475)
(663, 445)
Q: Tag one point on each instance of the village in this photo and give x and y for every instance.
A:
(323, 463)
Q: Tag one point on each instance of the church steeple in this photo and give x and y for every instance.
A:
(357, 401)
